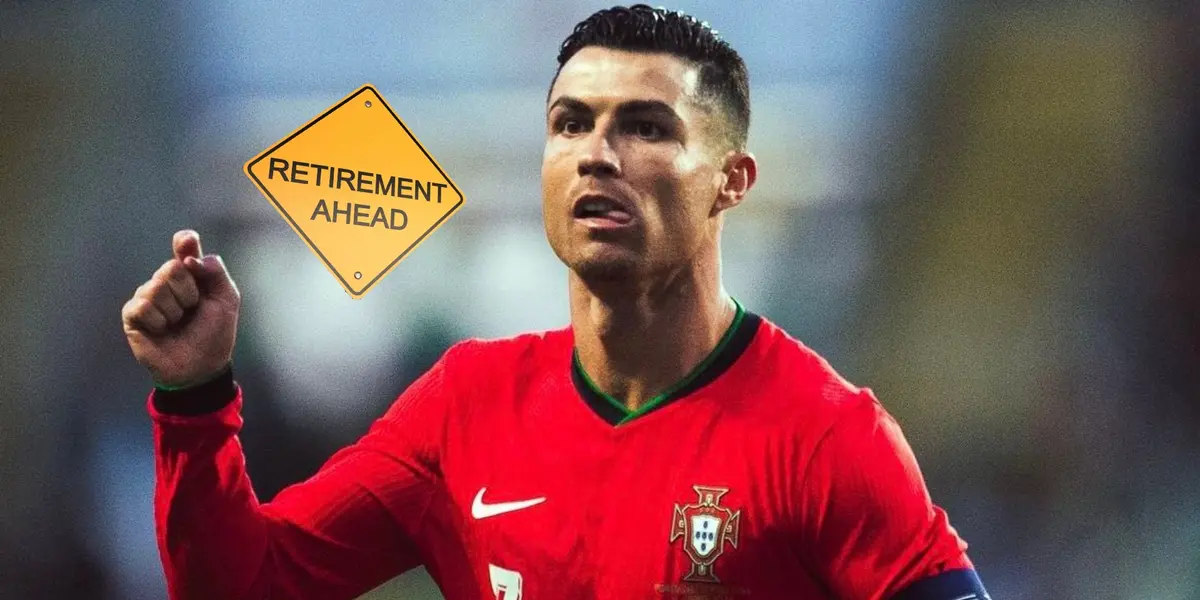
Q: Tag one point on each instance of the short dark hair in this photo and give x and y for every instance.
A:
(640, 28)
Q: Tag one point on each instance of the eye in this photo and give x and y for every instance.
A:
(571, 126)
(648, 130)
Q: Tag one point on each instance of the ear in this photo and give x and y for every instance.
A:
(740, 173)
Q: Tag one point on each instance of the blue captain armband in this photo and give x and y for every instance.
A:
(959, 584)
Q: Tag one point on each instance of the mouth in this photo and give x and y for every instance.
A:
(602, 212)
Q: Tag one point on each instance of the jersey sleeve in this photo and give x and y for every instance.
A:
(875, 532)
(350, 527)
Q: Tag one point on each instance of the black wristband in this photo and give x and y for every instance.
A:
(202, 399)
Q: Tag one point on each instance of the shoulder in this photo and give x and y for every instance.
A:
(798, 388)
(799, 378)
(523, 351)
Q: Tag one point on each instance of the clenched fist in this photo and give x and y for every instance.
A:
(182, 323)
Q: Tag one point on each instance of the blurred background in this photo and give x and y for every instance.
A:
(987, 212)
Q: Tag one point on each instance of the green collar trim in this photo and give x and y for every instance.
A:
(732, 344)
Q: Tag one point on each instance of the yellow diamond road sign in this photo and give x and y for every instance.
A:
(356, 185)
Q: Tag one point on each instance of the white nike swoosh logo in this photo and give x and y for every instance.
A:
(479, 510)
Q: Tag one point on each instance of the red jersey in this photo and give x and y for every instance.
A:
(507, 474)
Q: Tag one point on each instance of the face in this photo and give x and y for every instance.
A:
(634, 175)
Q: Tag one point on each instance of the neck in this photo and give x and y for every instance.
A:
(636, 339)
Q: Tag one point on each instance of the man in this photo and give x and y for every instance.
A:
(668, 444)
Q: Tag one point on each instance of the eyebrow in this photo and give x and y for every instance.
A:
(627, 107)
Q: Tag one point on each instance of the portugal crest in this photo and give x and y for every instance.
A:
(706, 527)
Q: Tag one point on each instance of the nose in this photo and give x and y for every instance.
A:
(599, 158)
